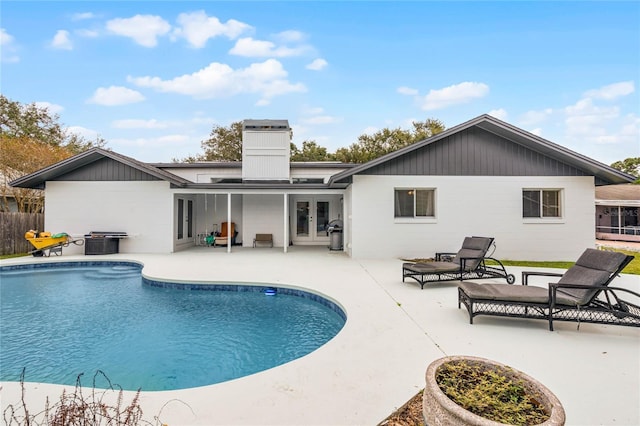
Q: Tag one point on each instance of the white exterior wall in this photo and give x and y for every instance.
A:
(141, 209)
(263, 214)
(466, 206)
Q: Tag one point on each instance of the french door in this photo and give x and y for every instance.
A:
(311, 220)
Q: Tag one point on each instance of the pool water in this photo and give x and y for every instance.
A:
(60, 322)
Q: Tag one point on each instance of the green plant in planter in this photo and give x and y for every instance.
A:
(490, 393)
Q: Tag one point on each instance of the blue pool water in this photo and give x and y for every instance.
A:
(58, 322)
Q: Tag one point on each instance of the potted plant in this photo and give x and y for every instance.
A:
(465, 390)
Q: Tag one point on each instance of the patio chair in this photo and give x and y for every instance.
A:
(467, 264)
(581, 295)
(226, 231)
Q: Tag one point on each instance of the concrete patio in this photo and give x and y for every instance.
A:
(377, 362)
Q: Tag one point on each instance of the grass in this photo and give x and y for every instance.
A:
(632, 268)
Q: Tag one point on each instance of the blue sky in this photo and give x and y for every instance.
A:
(153, 78)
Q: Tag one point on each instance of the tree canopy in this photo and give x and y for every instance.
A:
(32, 138)
(384, 141)
(225, 144)
(629, 165)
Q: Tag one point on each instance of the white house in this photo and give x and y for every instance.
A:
(483, 177)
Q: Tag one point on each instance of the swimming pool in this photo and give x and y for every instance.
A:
(63, 319)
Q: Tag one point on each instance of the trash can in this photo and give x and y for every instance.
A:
(335, 235)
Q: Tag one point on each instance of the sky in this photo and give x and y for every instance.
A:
(153, 78)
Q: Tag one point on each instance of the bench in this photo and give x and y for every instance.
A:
(263, 239)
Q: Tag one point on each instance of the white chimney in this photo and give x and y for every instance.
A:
(266, 148)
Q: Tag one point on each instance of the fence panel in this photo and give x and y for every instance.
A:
(12, 229)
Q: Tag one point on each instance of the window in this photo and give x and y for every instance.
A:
(411, 202)
(541, 203)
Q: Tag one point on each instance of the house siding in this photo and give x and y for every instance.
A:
(141, 209)
(106, 169)
(485, 206)
(474, 152)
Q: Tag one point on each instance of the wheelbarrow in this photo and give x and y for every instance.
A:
(45, 243)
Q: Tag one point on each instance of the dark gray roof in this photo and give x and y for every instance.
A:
(37, 179)
(603, 173)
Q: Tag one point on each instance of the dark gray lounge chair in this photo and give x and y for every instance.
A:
(467, 264)
(581, 295)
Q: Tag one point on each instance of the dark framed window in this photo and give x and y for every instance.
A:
(541, 203)
(414, 202)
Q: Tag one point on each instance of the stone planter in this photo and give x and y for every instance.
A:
(439, 410)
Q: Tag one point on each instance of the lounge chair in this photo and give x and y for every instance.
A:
(468, 263)
(581, 295)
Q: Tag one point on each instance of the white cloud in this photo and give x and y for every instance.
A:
(83, 132)
(249, 47)
(530, 118)
(8, 50)
(290, 36)
(197, 28)
(500, 114)
(453, 95)
(317, 64)
(404, 90)
(152, 142)
(87, 33)
(143, 29)
(61, 40)
(139, 124)
(268, 79)
(537, 131)
(115, 95)
(53, 108)
(82, 16)
(612, 91)
(321, 119)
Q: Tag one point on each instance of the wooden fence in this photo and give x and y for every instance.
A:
(12, 229)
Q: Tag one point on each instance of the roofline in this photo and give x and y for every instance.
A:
(37, 179)
(238, 164)
(542, 145)
(258, 185)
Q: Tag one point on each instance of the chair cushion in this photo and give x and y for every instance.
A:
(473, 247)
(431, 267)
(603, 260)
(512, 293)
(593, 268)
(477, 243)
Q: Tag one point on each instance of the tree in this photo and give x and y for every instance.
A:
(630, 166)
(311, 151)
(19, 156)
(224, 144)
(387, 140)
(39, 124)
(32, 138)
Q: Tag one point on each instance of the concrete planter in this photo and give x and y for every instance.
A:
(439, 410)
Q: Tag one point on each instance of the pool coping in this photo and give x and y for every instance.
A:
(378, 360)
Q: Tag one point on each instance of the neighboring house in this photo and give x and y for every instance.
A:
(482, 177)
(618, 212)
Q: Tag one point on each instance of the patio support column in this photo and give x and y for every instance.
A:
(229, 234)
(285, 245)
